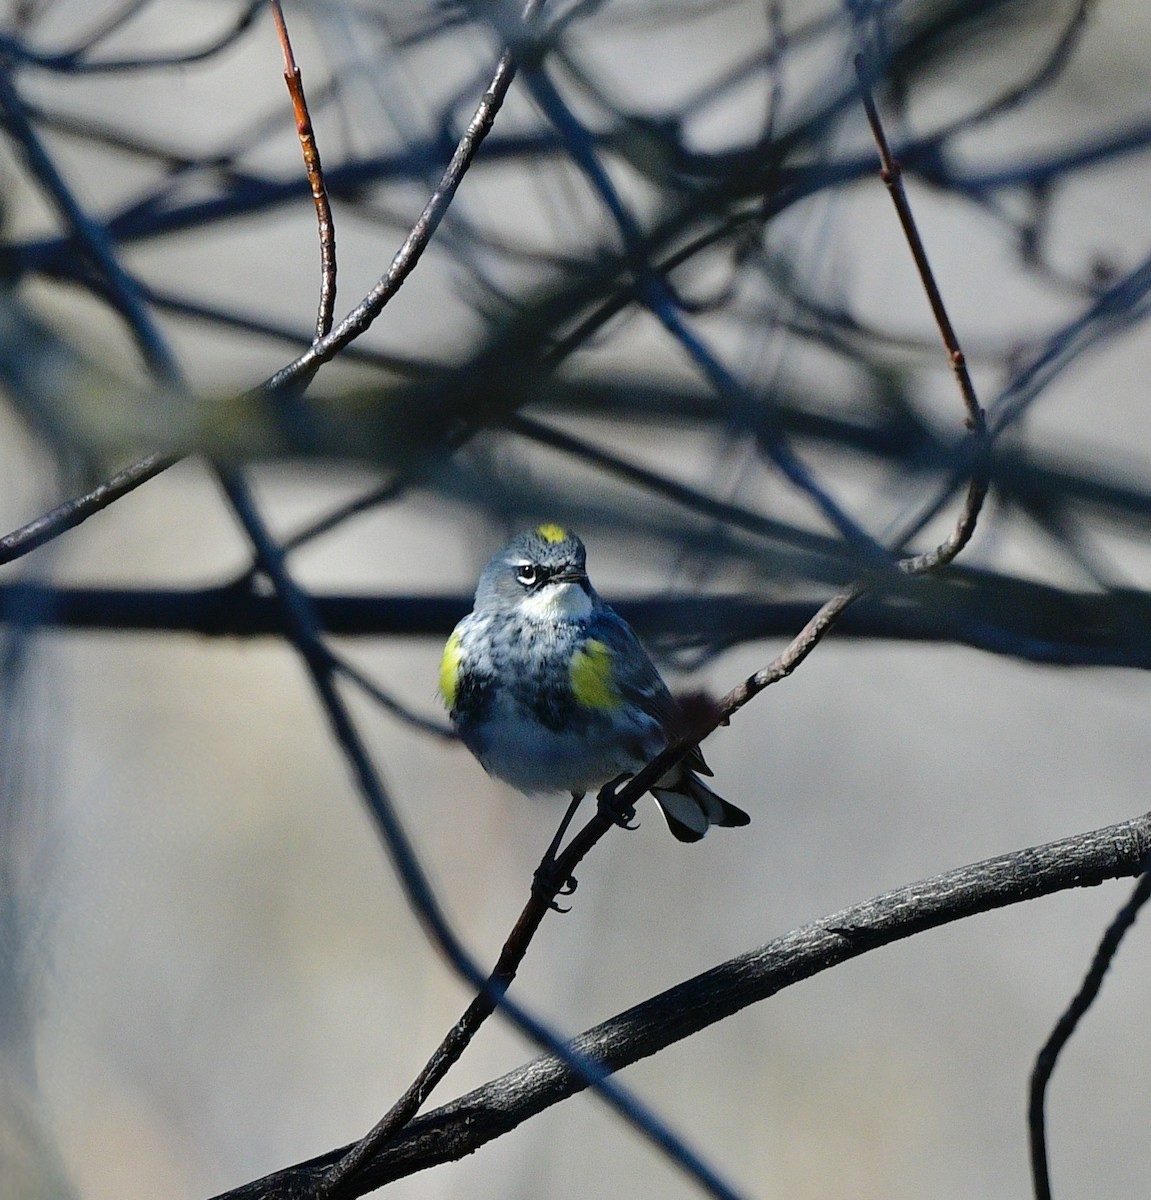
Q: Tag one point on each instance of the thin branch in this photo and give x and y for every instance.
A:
(1067, 1024)
(657, 296)
(825, 619)
(733, 515)
(72, 62)
(389, 703)
(244, 322)
(315, 172)
(892, 175)
(74, 512)
(1048, 70)
(360, 319)
(462, 1126)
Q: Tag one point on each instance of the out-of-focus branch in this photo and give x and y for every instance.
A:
(302, 629)
(364, 314)
(74, 512)
(88, 233)
(1016, 618)
(76, 62)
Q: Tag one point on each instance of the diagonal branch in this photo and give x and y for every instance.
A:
(76, 511)
(302, 629)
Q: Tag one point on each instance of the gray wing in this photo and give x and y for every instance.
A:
(639, 682)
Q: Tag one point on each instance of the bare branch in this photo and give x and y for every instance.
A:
(315, 172)
(364, 314)
(1067, 1024)
(74, 512)
(614, 805)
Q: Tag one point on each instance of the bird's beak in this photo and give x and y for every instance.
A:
(571, 575)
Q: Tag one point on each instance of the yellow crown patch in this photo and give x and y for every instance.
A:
(552, 533)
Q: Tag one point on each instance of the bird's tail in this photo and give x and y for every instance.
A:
(689, 806)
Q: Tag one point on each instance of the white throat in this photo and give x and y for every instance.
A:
(557, 602)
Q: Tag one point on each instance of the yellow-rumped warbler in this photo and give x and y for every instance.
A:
(552, 691)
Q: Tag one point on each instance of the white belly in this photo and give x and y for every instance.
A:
(533, 758)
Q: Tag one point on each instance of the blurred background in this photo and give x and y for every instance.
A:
(207, 968)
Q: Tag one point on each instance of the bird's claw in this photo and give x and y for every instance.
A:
(546, 883)
(608, 803)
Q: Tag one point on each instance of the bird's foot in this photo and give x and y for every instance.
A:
(548, 882)
(608, 803)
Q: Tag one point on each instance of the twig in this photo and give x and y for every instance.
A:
(657, 296)
(364, 314)
(1068, 346)
(74, 512)
(1048, 70)
(690, 498)
(390, 703)
(892, 175)
(72, 62)
(823, 621)
(342, 1177)
(315, 172)
(462, 1126)
(1067, 1024)
(236, 319)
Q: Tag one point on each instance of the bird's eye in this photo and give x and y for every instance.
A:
(527, 574)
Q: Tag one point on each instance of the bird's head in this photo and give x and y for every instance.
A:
(541, 574)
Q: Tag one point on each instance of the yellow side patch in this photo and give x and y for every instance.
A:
(450, 670)
(591, 677)
(552, 533)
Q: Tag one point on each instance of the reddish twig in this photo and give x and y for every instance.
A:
(892, 175)
(360, 319)
(311, 152)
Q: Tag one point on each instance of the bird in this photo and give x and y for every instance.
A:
(552, 691)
